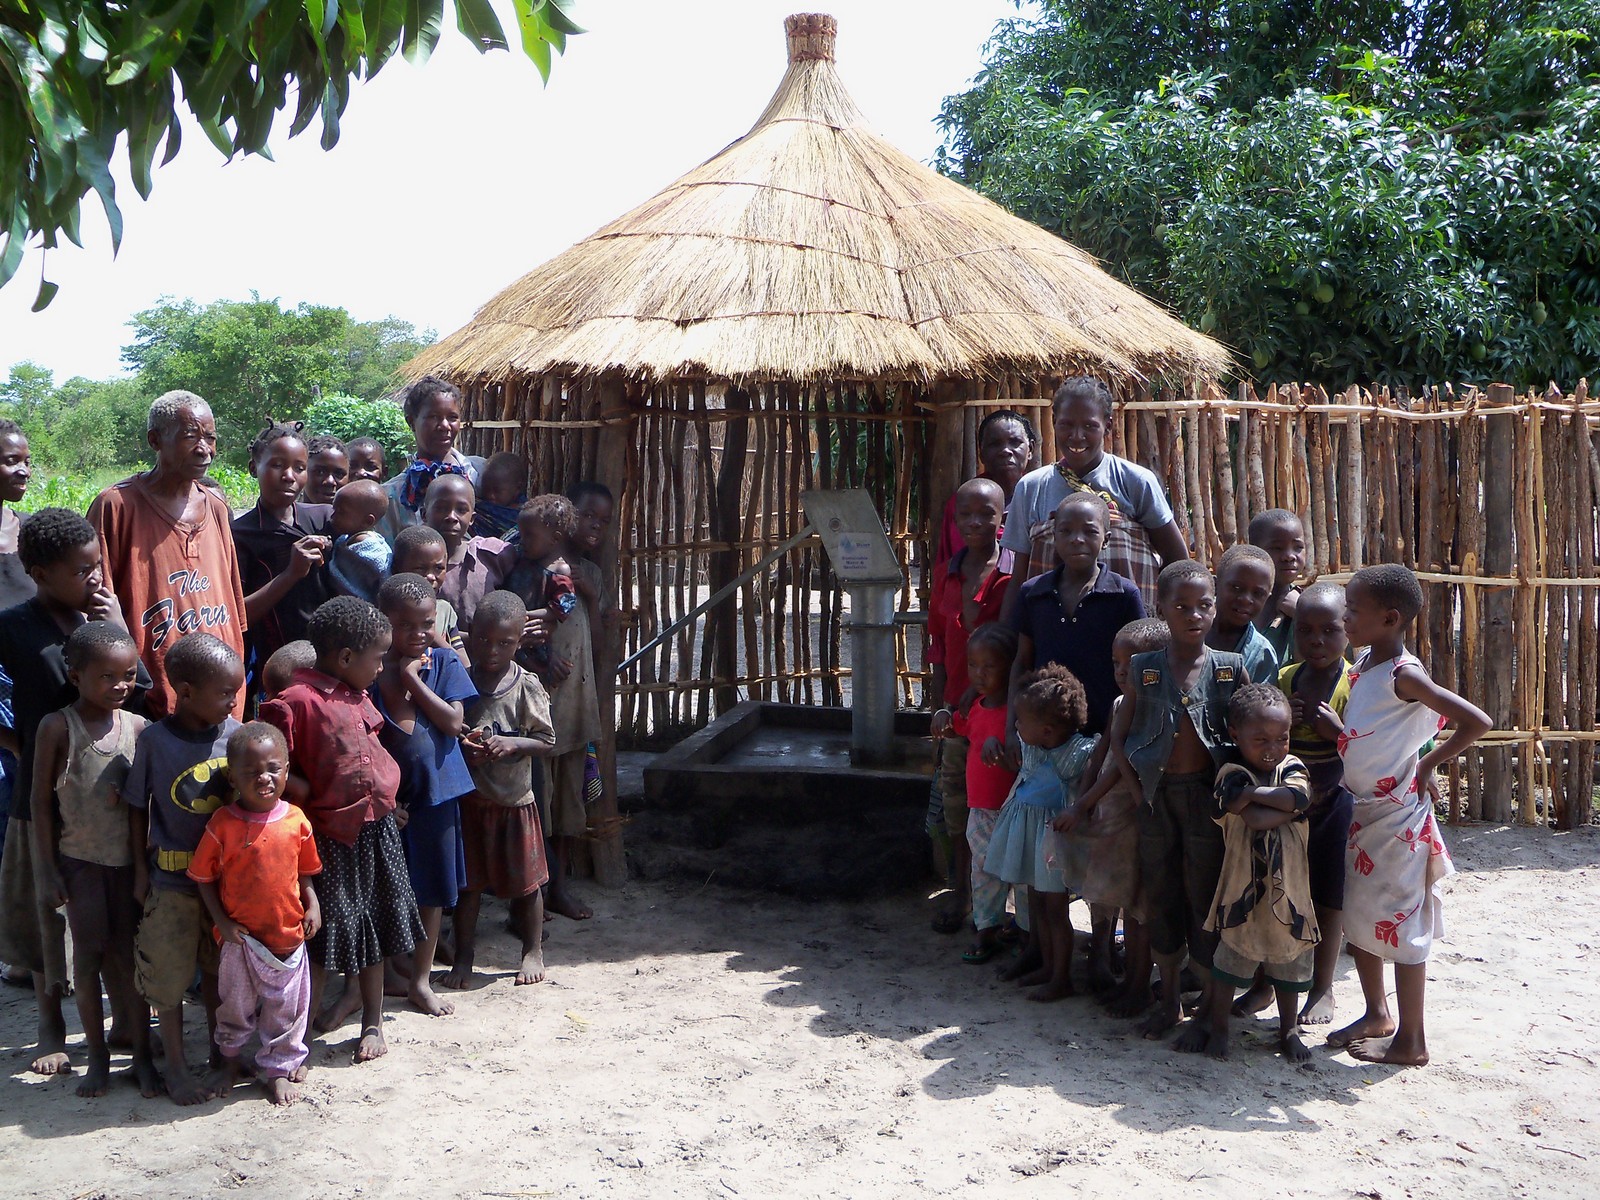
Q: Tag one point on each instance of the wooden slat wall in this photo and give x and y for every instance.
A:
(1375, 476)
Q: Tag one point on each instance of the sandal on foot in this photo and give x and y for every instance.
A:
(979, 955)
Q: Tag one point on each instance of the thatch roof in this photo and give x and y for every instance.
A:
(811, 248)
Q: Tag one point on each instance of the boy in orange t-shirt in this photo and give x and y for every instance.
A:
(254, 869)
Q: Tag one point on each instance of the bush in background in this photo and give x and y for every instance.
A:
(348, 417)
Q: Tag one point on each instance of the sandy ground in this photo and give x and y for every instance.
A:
(699, 1042)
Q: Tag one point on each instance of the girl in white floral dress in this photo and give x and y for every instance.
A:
(1396, 857)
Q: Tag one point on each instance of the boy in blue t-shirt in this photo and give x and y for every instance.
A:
(179, 778)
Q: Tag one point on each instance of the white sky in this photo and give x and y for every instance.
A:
(452, 180)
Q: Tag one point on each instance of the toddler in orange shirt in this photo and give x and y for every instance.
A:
(254, 869)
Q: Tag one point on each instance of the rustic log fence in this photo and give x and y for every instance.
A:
(1489, 497)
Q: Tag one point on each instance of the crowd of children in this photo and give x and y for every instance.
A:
(1222, 779)
(1243, 778)
(426, 712)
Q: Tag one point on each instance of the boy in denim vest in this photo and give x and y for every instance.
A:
(1177, 740)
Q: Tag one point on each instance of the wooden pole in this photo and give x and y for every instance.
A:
(1499, 558)
(612, 462)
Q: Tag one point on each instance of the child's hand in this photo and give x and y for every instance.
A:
(308, 552)
(401, 816)
(996, 753)
(942, 722)
(1067, 819)
(231, 931)
(558, 670)
(1328, 724)
(1297, 710)
(497, 748)
(103, 606)
(312, 921)
(536, 631)
(47, 886)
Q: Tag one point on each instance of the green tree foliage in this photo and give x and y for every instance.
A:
(348, 417)
(1404, 192)
(255, 360)
(76, 75)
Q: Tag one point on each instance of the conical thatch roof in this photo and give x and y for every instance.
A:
(812, 248)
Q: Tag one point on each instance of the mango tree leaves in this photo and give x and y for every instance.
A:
(77, 74)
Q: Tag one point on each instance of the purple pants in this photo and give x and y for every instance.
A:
(262, 997)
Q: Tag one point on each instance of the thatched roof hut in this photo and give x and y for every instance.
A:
(807, 308)
(812, 249)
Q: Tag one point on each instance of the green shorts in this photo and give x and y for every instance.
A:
(953, 779)
(175, 937)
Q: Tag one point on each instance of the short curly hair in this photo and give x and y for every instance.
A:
(1054, 693)
(1324, 591)
(1145, 634)
(1083, 387)
(414, 538)
(252, 733)
(585, 488)
(552, 510)
(500, 606)
(405, 588)
(1393, 586)
(167, 409)
(419, 393)
(345, 623)
(1092, 500)
(50, 534)
(323, 442)
(93, 639)
(1255, 700)
(1244, 552)
(197, 657)
(1264, 524)
(1184, 570)
(996, 634)
(282, 663)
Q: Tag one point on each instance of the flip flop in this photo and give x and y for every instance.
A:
(979, 955)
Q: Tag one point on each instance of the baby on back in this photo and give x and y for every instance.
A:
(359, 561)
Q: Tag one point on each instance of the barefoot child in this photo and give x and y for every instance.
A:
(1261, 912)
(1104, 822)
(83, 841)
(1320, 681)
(1396, 856)
(1176, 741)
(366, 459)
(542, 577)
(419, 550)
(1050, 712)
(1244, 583)
(327, 468)
(61, 553)
(422, 694)
(990, 650)
(966, 595)
(359, 558)
(254, 869)
(1280, 533)
(509, 730)
(345, 782)
(179, 778)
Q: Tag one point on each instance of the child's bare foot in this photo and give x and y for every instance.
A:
(1024, 964)
(458, 977)
(532, 968)
(340, 1011)
(51, 1062)
(1194, 1038)
(425, 1000)
(564, 903)
(184, 1089)
(97, 1075)
(1293, 1048)
(149, 1079)
(298, 1075)
(371, 1045)
(1368, 1026)
(1318, 1008)
(119, 1038)
(1390, 1050)
(1254, 1001)
(1128, 1002)
(1033, 978)
(1217, 1046)
(1154, 1027)
(281, 1091)
(228, 1072)
(397, 976)
(1051, 990)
